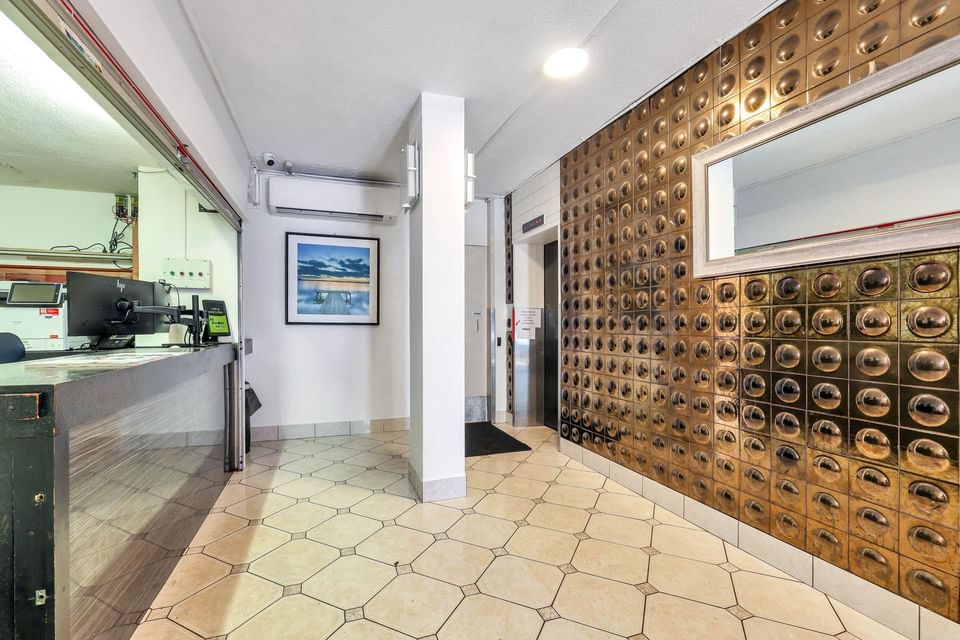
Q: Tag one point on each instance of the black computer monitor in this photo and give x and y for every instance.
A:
(92, 308)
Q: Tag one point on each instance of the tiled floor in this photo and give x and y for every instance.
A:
(332, 544)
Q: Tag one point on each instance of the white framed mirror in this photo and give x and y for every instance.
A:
(872, 168)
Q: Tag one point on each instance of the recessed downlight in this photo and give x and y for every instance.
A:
(565, 63)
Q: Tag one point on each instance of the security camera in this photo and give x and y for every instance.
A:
(269, 159)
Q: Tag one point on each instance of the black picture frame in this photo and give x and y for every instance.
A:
(291, 277)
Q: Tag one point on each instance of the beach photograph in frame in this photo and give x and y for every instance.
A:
(332, 279)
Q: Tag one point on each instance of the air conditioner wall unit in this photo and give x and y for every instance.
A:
(348, 200)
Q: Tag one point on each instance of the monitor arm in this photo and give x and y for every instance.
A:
(128, 308)
(177, 315)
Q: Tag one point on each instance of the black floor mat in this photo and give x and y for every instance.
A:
(484, 439)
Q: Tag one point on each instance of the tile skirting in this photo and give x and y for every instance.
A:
(896, 612)
(323, 429)
(439, 488)
(475, 408)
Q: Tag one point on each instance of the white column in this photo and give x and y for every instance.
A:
(437, 301)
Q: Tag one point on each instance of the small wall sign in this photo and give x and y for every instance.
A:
(533, 224)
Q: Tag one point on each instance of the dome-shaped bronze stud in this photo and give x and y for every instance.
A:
(787, 356)
(928, 365)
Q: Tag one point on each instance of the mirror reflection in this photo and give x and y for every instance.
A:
(888, 163)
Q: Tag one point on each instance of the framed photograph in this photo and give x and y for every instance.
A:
(332, 279)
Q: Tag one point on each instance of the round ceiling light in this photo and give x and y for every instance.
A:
(565, 63)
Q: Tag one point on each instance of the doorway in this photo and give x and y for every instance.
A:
(551, 321)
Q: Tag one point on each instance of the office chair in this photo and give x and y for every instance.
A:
(11, 348)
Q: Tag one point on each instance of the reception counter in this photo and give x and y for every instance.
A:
(108, 464)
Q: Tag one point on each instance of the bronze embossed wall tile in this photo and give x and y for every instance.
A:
(818, 403)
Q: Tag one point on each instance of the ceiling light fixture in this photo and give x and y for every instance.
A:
(565, 63)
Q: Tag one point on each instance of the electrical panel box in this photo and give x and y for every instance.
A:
(187, 274)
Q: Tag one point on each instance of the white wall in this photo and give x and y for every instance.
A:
(309, 374)
(475, 225)
(172, 227)
(35, 218)
(540, 195)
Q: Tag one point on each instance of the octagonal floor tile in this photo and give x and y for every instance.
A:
(344, 530)
(432, 518)
(539, 472)
(300, 517)
(482, 479)
(306, 465)
(669, 618)
(294, 562)
(366, 630)
(481, 617)
(608, 560)
(223, 496)
(743, 560)
(454, 562)
(665, 516)
(522, 488)
(336, 454)
(585, 479)
(561, 629)
(291, 618)
(688, 543)
(338, 472)
(624, 505)
(548, 458)
(542, 545)
(532, 584)
(162, 630)
(466, 502)
(483, 531)
(224, 606)
(276, 458)
(620, 530)
(246, 545)
(558, 517)
(192, 573)
(395, 545)
(504, 506)
(601, 603)
(374, 479)
(362, 443)
(270, 479)
(496, 464)
(342, 496)
(304, 487)
(382, 506)
(261, 506)
(349, 582)
(368, 459)
(414, 604)
(570, 496)
(761, 629)
(212, 527)
(786, 601)
(692, 579)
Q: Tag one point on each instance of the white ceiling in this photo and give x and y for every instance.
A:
(328, 84)
(54, 135)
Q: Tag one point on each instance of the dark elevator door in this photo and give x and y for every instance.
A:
(551, 321)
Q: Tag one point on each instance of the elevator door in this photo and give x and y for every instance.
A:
(551, 318)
